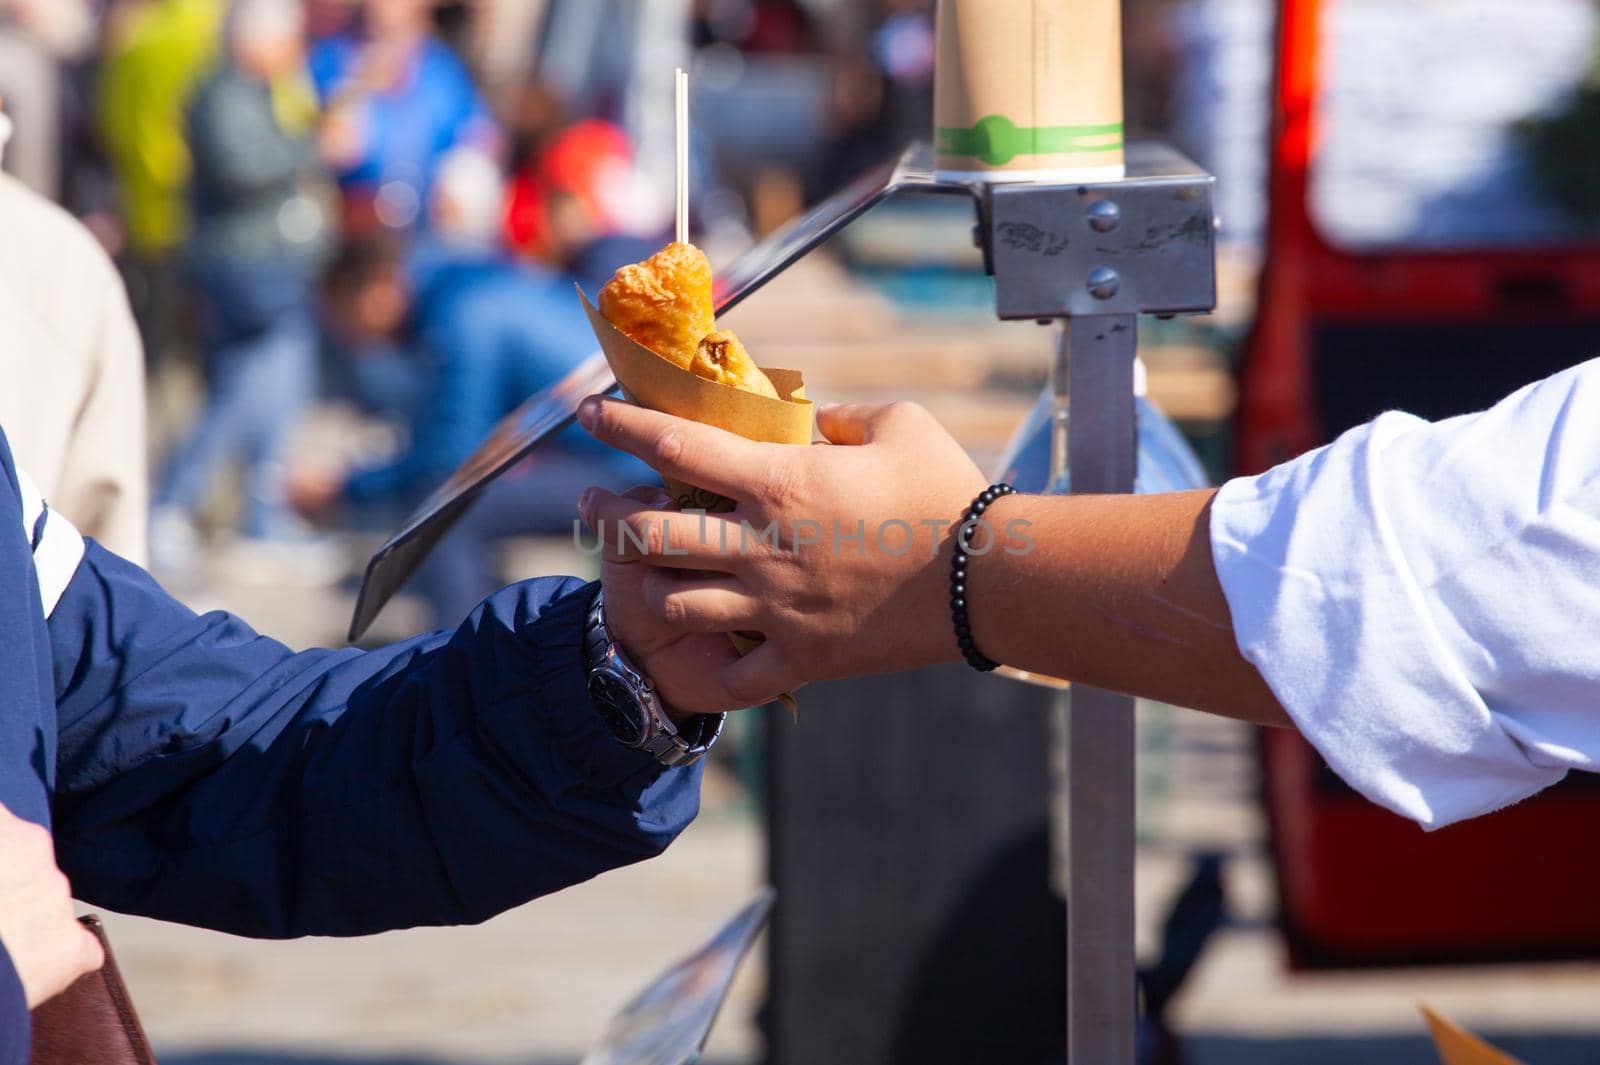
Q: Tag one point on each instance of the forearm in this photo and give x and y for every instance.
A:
(1119, 592)
(211, 777)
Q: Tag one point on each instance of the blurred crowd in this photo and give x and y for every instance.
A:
(388, 201)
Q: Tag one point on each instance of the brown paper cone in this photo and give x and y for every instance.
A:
(651, 381)
(1457, 1047)
(1029, 90)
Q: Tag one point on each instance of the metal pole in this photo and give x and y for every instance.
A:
(1102, 453)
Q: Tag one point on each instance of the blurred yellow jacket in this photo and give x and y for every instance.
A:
(157, 52)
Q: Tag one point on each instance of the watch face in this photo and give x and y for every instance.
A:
(621, 709)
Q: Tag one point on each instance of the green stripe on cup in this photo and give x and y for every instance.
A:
(996, 140)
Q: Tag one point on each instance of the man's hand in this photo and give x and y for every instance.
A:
(48, 947)
(684, 664)
(839, 556)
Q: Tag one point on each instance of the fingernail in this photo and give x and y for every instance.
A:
(585, 501)
(828, 408)
(589, 412)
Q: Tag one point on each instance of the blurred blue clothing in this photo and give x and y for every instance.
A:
(600, 258)
(434, 107)
(192, 770)
(487, 334)
(381, 378)
(260, 230)
(261, 373)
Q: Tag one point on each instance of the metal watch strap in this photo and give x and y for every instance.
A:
(664, 742)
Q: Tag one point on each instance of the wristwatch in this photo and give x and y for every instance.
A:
(628, 702)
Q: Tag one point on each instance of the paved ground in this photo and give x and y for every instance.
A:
(1241, 1007)
(536, 985)
(533, 985)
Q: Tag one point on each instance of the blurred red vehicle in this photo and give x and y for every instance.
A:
(1344, 332)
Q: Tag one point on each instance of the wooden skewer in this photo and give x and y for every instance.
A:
(682, 85)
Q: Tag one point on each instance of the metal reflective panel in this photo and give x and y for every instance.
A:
(1166, 461)
(547, 413)
(667, 1024)
(523, 430)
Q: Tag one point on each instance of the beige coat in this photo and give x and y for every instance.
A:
(72, 396)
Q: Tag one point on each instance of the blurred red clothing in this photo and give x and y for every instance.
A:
(779, 26)
(587, 165)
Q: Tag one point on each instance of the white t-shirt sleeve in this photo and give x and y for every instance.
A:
(1424, 598)
(57, 545)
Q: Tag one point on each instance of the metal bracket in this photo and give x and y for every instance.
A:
(1142, 245)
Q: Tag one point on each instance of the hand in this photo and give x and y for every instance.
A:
(47, 945)
(342, 137)
(684, 665)
(853, 574)
(313, 492)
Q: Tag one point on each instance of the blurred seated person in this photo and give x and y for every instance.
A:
(569, 204)
(484, 333)
(262, 216)
(396, 100)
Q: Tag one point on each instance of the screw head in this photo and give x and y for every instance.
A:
(1104, 216)
(1103, 282)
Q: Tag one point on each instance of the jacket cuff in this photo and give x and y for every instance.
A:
(569, 719)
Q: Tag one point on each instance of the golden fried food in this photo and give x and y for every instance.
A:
(723, 359)
(663, 303)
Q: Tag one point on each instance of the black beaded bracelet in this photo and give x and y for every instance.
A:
(971, 518)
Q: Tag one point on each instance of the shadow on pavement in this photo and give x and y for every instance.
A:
(1395, 1050)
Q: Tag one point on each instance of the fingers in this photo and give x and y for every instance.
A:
(698, 454)
(758, 677)
(631, 529)
(89, 955)
(650, 495)
(689, 678)
(861, 423)
(48, 948)
(700, 603)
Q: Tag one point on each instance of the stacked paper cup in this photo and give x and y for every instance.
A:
(1029, 90)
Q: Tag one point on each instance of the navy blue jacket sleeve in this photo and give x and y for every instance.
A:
(208, 775)
(16, 1031)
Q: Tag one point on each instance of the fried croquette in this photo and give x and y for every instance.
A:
(663, 303)
(722, 358)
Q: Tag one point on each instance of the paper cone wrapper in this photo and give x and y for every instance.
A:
(651, 381)
(1029, 90)
(1458, 1047)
